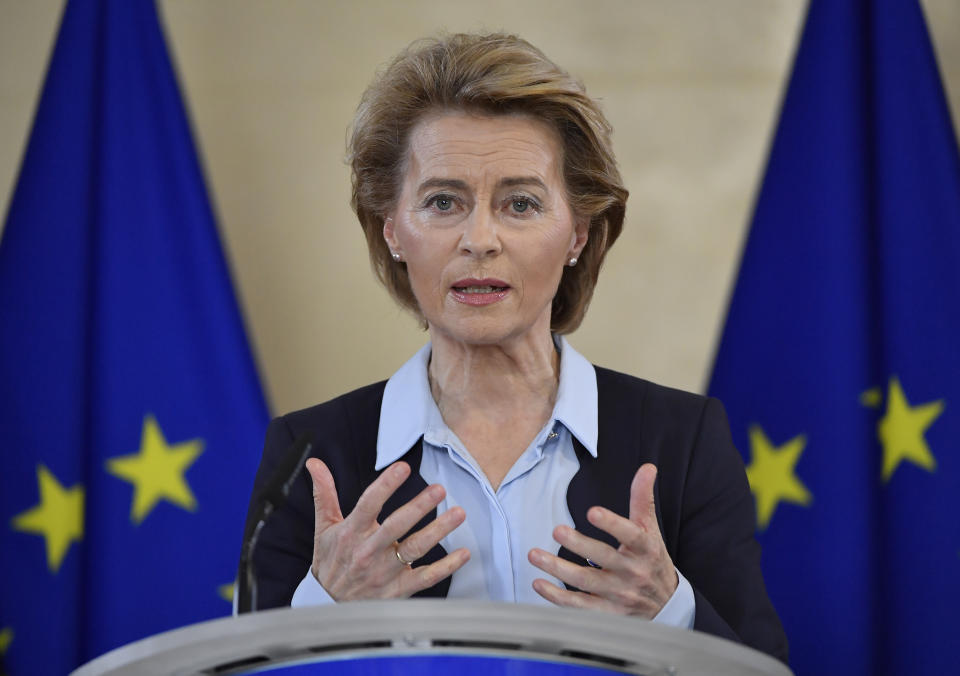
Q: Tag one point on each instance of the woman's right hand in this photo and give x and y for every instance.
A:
(357, 558)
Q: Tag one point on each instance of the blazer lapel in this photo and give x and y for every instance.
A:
(596, 483)
(605, 480)
(408, 490)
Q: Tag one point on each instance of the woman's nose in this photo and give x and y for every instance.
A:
(480, 236)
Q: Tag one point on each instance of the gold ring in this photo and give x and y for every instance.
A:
(396, 550)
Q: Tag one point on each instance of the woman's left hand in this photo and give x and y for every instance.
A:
(637, 578)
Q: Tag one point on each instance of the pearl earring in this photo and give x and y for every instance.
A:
(395, 256)
(572, 262)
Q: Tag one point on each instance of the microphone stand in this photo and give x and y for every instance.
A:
(273, 496)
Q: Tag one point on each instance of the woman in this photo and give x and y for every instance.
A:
(498, 463)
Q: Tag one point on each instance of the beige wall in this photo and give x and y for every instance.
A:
(692, 88)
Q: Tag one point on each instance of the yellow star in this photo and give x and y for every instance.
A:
(901, 431)
(156, 471)
(6, 636)
(225, 591)
(771, 476)
(58, 517)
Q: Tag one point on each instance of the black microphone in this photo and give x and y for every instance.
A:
(270, 498)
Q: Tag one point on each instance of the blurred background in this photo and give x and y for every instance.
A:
(692, 89)
(122, 328)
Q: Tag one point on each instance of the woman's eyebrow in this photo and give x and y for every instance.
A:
(514, 181)
(456, 184)
(451, 183)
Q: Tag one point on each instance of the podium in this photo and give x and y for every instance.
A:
(376, 638)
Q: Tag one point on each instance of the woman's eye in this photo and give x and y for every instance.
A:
(520, 205)
(442, 203)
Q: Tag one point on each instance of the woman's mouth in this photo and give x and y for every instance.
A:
(479, 291)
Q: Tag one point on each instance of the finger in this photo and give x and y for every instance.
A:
(643, 511)
(326, 505)
(406, 517)
(582, 577)
(376, 494)
(424, 577)
(635, 537)
(569, 599)
(425, 539)
(596, 551)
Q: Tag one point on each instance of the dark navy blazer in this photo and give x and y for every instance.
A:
(704, 506)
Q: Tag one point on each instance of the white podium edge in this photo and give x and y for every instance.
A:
(412, 627)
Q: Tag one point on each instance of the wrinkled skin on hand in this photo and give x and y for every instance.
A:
(636, 578)
(356, 557)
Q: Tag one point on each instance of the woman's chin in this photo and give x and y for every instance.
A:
(483, 331)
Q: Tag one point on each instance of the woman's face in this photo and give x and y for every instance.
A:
(483, 224)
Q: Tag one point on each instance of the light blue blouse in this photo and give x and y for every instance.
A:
(501, 525)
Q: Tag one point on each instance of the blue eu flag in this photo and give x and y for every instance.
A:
(131, 412)
(839, 363)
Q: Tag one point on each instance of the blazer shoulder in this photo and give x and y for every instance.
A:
(360, 405)
(665, 424)
(617, 390)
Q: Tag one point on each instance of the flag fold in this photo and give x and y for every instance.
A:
(839, 362)
(132, 413)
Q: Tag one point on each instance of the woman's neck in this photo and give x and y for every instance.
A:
(473, 382)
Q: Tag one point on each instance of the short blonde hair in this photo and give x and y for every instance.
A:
(495, 74)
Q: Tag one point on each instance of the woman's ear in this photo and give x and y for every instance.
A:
(390, 237)
(581, 232)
